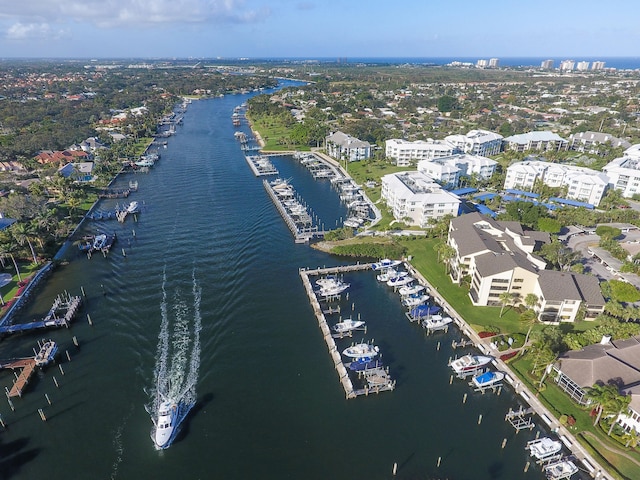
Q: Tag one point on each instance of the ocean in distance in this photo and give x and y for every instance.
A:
(210, 257)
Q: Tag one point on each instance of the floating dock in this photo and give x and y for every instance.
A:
(376, 380)
(260, 165)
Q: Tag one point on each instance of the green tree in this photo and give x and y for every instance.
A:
(506, 298)
(600, 396)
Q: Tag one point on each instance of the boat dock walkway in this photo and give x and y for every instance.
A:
(27, 367)
(301, 234)
(580, 453)
(260, 165)
(62, 312)
(377, 379)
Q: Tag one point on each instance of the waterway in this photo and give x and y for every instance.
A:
(210, 250)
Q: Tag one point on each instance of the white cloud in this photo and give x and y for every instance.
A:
(113, 13)
(26, 31)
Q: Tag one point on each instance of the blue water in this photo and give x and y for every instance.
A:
(269, 403)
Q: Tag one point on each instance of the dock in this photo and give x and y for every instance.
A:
(27, 366)
(61, 314)
(260, 165)
(301, 226)
(376, 380)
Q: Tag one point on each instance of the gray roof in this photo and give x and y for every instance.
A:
(599, 137)
(515, 227)
(493, 263)
(615, 362)
(344, 140)
(471, 239)
(558, 286)
(589, 287)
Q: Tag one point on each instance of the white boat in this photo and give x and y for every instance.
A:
(335, 289)
(410, 289)
(390, 273)
(385, 263)
(415, 299)
(560, 470)
(166, 423)
(347, 325)
(47, 353)
(470, 363)
(400, 281)
(327, 281)
(132, 207)
(436, 322)
(544, 447)
(145, 162)
(361, 350)
(99, 242)
(487, 379)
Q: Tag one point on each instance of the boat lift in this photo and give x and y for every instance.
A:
(519, 419)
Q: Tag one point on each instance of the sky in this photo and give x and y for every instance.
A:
(318, 28)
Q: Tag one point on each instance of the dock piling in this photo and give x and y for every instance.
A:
(82, 290)
(60, 367)
(68, 356)
(89, 320)
(75, 341)
(55, 380)
(464, 398)
(439, 460)
(504, 443)
(395, 468)
(47, 397)
(42, 416)
(480, 419)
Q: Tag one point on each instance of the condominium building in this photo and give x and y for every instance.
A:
(406, 153)
(500, 257)
(449, 170)
(345, 147)
(541, 141)
(477, 142)
(582, 66)
(597, 66)
(415, 198)
(494, 62)
(624, 172)
(567, 65)
(583, 184)
(589, 141)
(547, 65)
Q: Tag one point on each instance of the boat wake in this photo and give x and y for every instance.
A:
(177, 363)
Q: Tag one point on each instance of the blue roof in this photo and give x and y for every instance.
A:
(511, 198)
(481, 197)
(522, 193)
(485, 210)
(573, 203)
(6, 222)
(464, 191)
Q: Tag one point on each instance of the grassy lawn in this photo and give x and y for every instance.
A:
(9, 291)
(141, 145)
(275, 135)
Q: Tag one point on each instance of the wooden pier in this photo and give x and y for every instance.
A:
(260, 165)
(62, 312)
(27, 367)
(377, 381)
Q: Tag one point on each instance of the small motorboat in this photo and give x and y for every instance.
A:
(47, 353)
(385, 263)
(390, 273)
(560, 470)
(166, 423)
(99, 242)
(543, 448)
(347, 325)
(422, 311)
(487, 380)
(470, 363)
(410, 289)
(400, 281)
(361, 350)
(436, 322)
(415, 299)
(132, 207)
(368, 364)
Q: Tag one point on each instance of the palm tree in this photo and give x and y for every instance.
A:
(618, 404)
(600, 396)
(505, 299)
(7, 247)
(21, 233)
(531, 300)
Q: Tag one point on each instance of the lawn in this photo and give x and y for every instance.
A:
(275, 135)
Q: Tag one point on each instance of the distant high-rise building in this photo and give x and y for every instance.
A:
(582, 66)
(547, 65)
(493, 62)
(597, 66)
(482, 63)
(567, 65)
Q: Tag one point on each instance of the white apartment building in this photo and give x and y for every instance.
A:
(597, 65)
(342, 146)
(624, 172)
(582, 66)
(449, 170)
(567, 65)
(405, 153)
(494, 62)
(546, 64)
(415, 198)
(477, 142)
(542, 141)
(583, 184)
(589, 141)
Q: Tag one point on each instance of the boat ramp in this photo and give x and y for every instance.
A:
(61, 314)
(375, 379)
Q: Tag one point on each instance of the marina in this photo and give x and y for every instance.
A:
(27, 366)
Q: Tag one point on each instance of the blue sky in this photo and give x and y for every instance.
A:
(318, 28)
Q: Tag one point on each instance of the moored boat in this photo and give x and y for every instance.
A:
(436, 322)
(487, 379)
(385, 263)
(347, 325)
(361, 350)
(422, 311)
(47, 353)
(411, 289)
(470, 363)
(389, 273)
(415, 299)
(560, 470)
(368, 364)
(543, 448)
(132, 207)
(400, 281)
